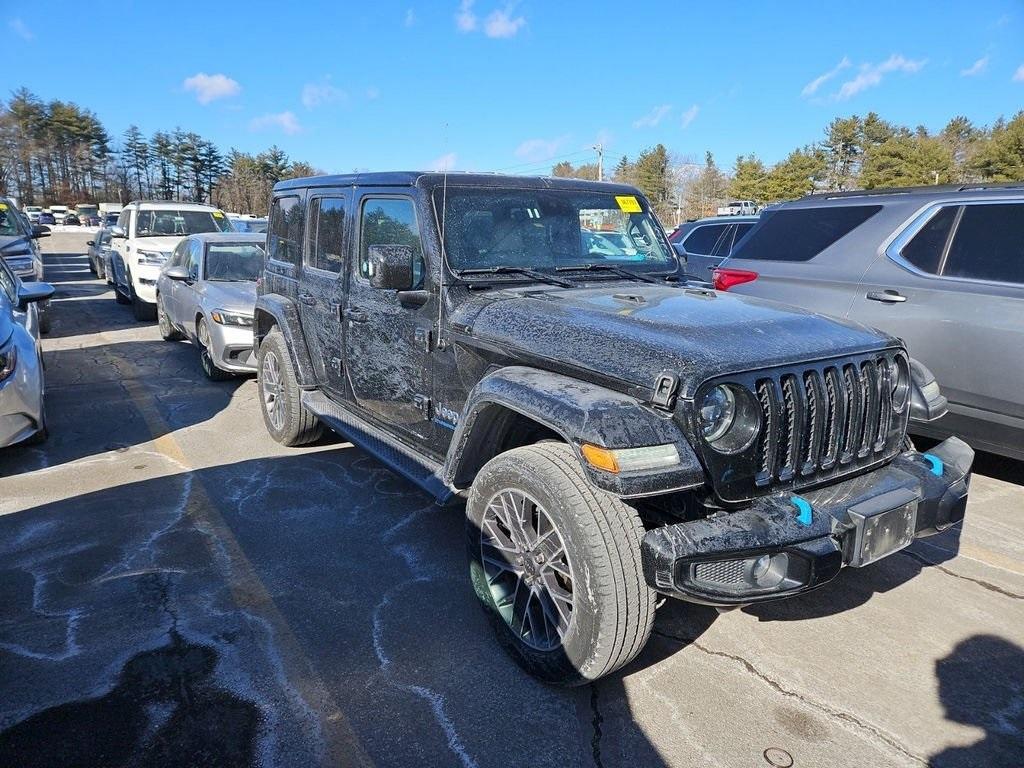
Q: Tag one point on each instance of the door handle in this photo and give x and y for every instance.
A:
(308, 299)
(887, 296)
(355, 315)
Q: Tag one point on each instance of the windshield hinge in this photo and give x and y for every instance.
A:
(665, 388)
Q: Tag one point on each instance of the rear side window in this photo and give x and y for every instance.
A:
(989, 244)
(704, 241)
(925, 250)
(326, 228)
(284, 236)
(741, 232)
(800, 234)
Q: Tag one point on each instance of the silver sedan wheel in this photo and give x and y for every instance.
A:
(527, 568)
(270, 385)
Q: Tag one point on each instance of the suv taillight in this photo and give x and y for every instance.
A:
(726, 278)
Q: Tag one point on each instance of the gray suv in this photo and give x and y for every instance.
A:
(704, 243)
(941, 267)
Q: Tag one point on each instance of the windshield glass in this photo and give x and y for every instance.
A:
(173, 222)
(10, 222)
(547, 229)
(249, 225)
(233, 262)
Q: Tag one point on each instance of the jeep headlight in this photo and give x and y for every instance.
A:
(231, 318)
(728, 418)
(153, 258)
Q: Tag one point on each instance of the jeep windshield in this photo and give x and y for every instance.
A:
(510, 231)
(176, 222)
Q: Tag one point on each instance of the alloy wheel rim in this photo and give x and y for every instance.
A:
(527, 568)
(161, 317)
(270, 383)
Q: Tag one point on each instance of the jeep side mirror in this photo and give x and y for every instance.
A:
(32, 292)
(38, 232)
(391, 267)
(116, 231)
(177, 273)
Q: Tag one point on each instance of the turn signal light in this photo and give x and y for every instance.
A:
(726, 278)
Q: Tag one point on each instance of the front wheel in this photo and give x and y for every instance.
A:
(284, 415)
(556, 565)
(210, 369)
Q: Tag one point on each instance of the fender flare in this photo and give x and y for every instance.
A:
(275, 309)
(579, 412)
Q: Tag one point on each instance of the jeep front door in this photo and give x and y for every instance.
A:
(321, 290)
(387, 342)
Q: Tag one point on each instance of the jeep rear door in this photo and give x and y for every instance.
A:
(387, 342)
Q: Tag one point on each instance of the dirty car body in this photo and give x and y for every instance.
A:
(762, 447)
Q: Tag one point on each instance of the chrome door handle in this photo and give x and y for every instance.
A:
(887, 297)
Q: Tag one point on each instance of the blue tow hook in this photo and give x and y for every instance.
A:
(804, 506)
(935, 461)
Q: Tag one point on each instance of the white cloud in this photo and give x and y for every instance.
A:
(444, 162)
(465, 19)
(652, 118)
(410, 17)
(539, 150)
(501, 24)
(976, 68)
(318, 94)
(283, 121)
(20, 28)
(1018, 76)
(211, 87)
(871, 75)
(690, 115)
(812, 87)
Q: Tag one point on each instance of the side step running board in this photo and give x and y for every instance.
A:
(424, 472)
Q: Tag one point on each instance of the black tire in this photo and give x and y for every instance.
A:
(291, 425)
(142, 310)
(610, 620)
(167, 331)
(210, 369)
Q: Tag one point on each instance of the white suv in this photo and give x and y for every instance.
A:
(143, 239)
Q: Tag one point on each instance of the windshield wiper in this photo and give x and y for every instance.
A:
(526, 271)
(620, 271)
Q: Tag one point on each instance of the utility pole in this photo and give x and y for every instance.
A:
(599, 148)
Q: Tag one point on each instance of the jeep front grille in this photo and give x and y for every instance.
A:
(818, 422)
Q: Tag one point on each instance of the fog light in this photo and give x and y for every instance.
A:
(754, 575)
(768, 571)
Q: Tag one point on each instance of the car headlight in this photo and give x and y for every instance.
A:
(153, 258)
(231, 318)
(20, 263)
(728, 418)
(8, 361)
(899, 377)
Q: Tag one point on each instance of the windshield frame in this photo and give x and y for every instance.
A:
(437, 194)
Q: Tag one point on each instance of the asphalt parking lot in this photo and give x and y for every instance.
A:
(177, 589)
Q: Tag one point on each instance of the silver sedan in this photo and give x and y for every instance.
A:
(22, 415)
(206, 293)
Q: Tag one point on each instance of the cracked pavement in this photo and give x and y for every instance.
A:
(175, 588)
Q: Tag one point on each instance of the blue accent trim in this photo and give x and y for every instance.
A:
(935, 461)
(445, 424)
(804, 518)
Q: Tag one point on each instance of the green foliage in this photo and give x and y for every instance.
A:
(906, 161)
(1000, 156)
(568, 171)
(749, 179)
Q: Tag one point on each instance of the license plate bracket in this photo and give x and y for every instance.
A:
(883, 525)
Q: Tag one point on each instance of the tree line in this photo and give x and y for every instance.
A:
(59, 153)
(855, 153)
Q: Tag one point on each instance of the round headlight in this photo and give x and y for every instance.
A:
(900, 378)
(717, 411)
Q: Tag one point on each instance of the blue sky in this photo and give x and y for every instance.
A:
(516, 86)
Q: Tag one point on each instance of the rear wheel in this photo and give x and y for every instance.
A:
(284, 415)
(213, 373)
(556, 565)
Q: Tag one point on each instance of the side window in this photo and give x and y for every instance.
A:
(326, 230)
(702, 240)
(724, 243)
(389, 221)
(925, 249)
(284, 238)
(741, 232)
(122, 221)
(178, 255)
(195, 251)
(988, 244)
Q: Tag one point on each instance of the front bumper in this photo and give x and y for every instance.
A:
(807, 539)
(231, 347)
(21, 395)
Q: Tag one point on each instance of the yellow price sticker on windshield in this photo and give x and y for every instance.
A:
(628, 204)
(218, 215)
(3, 206)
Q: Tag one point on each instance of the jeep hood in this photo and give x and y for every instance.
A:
(634, 332)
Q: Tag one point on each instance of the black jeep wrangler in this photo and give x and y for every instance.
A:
(532, 346)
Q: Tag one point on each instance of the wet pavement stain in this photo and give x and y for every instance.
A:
(165, 710)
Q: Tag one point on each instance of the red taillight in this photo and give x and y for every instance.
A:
(726, 278)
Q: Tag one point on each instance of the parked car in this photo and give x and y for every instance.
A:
(109, 219)
(20, 249)
(616, 432)
(705, 242)
(206, 293)
(33, 211)
(97, 253)
(47, 218)
(144, 236)
(941, 267)
(59, 212)
(93, 221)
(738, 208)
(22, 387)
(249, 224)
(71, 220)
